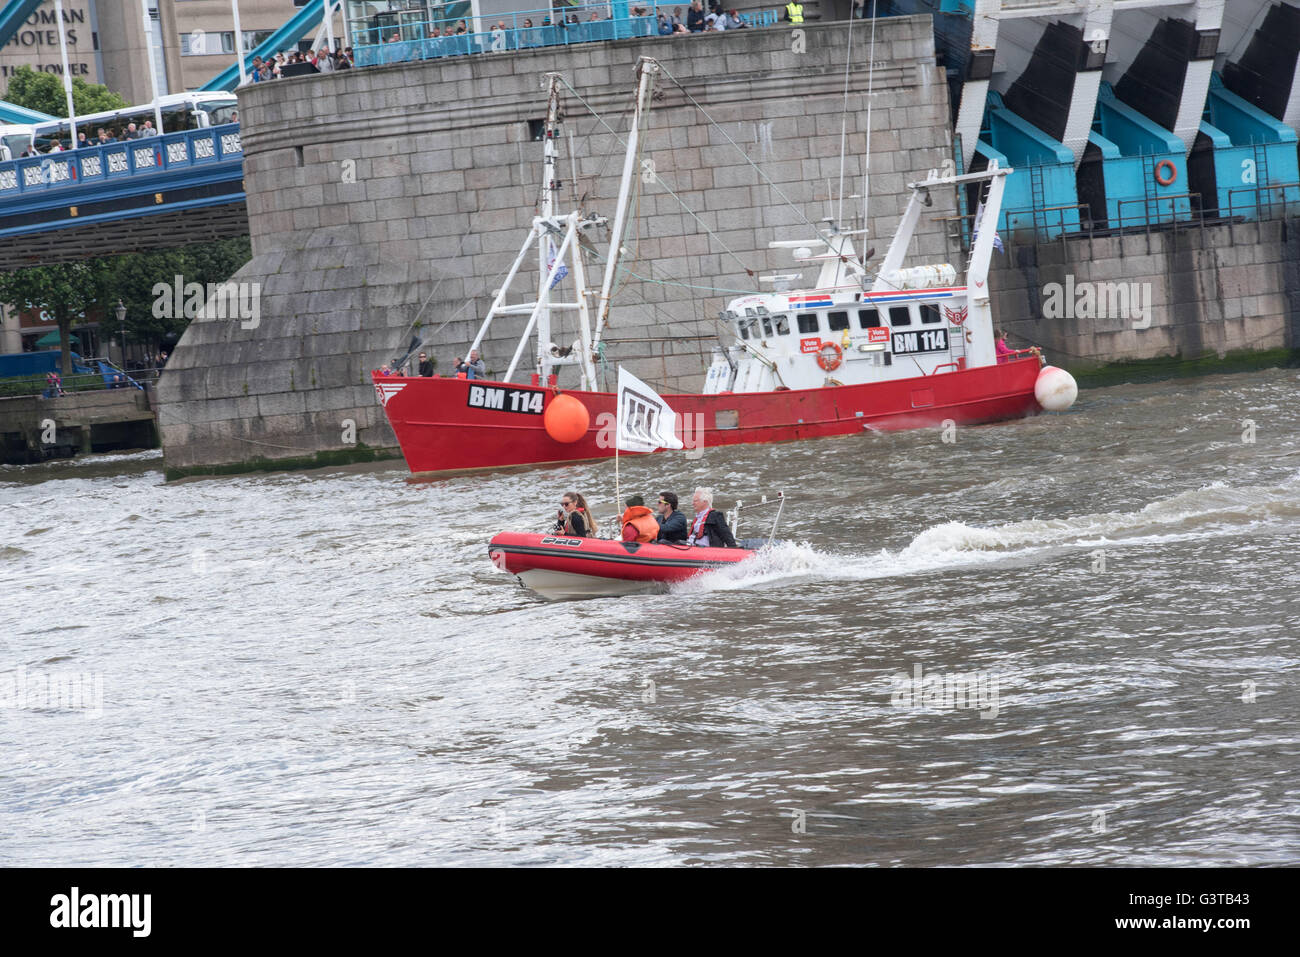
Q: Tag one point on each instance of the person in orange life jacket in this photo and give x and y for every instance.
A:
(672, 523)
(574, 519)
(639, 523)
(710, 526)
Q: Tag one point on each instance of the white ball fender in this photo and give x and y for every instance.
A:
(1055, 389)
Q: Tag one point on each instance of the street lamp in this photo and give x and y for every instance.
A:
(120, 312)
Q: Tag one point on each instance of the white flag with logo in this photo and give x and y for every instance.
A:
(644, 421)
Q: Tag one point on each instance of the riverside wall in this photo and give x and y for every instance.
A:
(1230, 288)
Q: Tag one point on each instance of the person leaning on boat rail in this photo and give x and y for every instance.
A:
(574, 518)
(639, 523)
(1004, 351)
(709, 528)
(672, 523)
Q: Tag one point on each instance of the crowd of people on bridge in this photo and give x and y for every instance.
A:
(295, 63)
(104, 136)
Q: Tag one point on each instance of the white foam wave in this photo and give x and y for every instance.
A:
(1179, 517)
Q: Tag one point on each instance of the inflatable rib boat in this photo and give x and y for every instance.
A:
(557, 567)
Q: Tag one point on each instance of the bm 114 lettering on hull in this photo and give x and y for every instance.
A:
(527, 401)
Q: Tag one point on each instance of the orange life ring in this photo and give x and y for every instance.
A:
(828, 361)
(1173, 173)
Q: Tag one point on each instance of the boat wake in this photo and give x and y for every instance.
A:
(1215, 510)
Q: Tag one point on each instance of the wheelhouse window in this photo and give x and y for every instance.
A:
(900, 316)
(807, 322)
(930, 313)
(838, 321)
(767, 327)
(868, 319)
(782, 325)
(742, 327)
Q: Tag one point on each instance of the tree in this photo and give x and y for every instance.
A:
(64, 290)
(44, 92)
(130, 278)
(69, 290)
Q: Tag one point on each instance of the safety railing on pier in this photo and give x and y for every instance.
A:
(113, 378)
(128, 158)
(416, 38)
(1057, 224)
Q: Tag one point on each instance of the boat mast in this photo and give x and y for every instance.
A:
(980, 318)
(647, 68)
(544, 239)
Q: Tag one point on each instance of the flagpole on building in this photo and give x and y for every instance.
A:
(153, 67)
(239, 43)
(67, 72)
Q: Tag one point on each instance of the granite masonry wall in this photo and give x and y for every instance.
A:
(383, 197)
(1214, 290)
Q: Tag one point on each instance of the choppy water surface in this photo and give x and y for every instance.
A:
(324, 668)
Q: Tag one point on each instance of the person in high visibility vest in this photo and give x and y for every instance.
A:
(794, 12)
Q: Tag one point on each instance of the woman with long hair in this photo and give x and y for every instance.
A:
(574, 518)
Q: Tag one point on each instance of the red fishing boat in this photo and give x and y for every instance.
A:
(557, 567)
(896, 348)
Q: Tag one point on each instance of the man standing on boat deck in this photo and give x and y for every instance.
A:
(476, 367)
(710, 526)
(672, 523)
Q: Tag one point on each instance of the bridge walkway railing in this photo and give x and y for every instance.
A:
(126, 160)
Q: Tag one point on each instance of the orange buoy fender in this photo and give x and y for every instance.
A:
(566, 419)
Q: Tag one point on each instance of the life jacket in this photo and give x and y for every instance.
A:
(794, 11)
(586, 521)
(643, 520)
(698, 535)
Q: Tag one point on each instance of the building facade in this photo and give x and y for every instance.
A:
(193, 41)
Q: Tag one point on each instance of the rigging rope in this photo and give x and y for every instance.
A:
(659, 177)
(784, 198)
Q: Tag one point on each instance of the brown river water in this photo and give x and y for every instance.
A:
(1073, 639)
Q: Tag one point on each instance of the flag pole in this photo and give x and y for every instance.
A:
(67, 73)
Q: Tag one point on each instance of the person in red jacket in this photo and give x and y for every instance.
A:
(639, 523)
